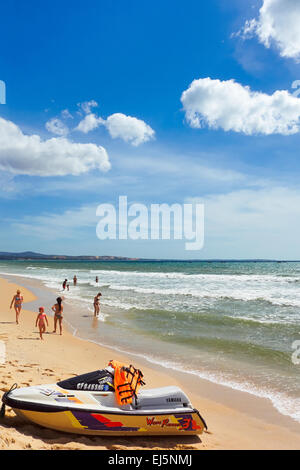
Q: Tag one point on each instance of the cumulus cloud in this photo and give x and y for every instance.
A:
(86, 106)
(66, 114)
(278, 24)
(231, 106)
(30, 155)
(57, 127)
(128, 128)
(89, 123)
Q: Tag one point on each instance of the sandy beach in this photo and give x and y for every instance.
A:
(232, 421)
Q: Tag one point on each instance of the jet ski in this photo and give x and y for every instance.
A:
(107, 402)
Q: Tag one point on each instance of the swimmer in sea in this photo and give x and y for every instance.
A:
(58, 317)
(40, 321)
(17, 301)
(74, 280)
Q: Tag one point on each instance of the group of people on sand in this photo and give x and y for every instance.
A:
(41, 319)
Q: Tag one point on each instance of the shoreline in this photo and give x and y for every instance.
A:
(257, 424)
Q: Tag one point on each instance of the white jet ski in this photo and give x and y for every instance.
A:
(92, 404)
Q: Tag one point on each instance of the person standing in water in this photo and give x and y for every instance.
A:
(58, 317)
(17, 301)
(97, 279)
(97, 304)
(75, 280)
(64, 284)
(40, 321)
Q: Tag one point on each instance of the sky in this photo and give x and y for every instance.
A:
(162, 102)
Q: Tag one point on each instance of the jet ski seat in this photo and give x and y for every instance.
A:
(164, 397)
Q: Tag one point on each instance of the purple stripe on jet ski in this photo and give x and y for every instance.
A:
(187, 422)
(89, 421)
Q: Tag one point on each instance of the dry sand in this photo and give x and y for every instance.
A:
(30, 361)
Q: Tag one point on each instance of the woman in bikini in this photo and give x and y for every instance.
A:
(97, 305)
(58, 310)
(17, 301)
(40, 321)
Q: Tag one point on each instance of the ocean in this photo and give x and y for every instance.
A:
(232, 323)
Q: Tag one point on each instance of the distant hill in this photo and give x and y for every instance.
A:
(30, 255)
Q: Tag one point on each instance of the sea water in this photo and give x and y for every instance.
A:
(233, 323)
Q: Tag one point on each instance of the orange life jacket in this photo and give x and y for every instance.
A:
(127, 380)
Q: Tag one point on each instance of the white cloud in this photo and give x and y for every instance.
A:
(89, 123)
(230, 106)
(30, 155)
(86, 106)
(57, 127)
(129, 128)
(66, 114)
(278, 24)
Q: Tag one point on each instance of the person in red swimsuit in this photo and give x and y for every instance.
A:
(40, 321)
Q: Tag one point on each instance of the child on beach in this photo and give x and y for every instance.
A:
(40, 321)
(17, 301)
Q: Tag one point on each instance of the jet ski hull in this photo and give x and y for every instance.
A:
(104, 424)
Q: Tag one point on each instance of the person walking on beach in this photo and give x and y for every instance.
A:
(17, 301)
(58, 310)
(40, 321)
(75, 280)
(97, 304)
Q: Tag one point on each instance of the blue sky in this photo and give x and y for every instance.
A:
(230, 140)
